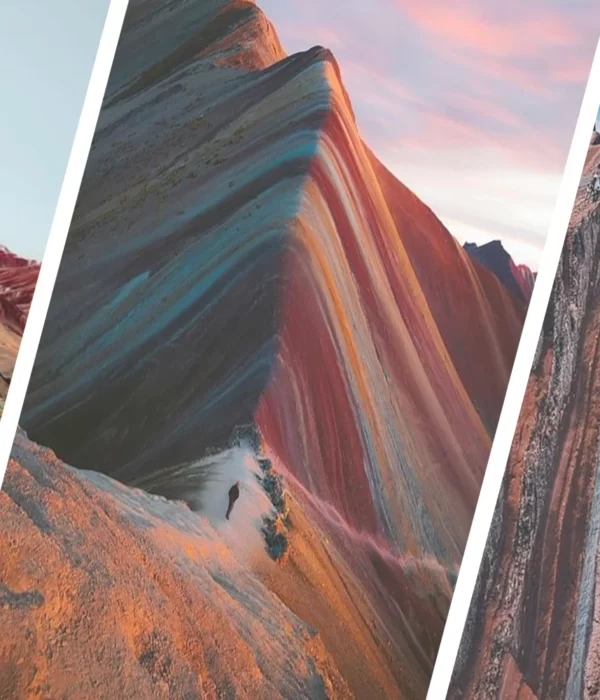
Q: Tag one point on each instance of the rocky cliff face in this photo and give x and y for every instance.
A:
(531, 627)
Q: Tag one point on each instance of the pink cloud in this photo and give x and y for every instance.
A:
(517, 76)
(377, 80)
(462, 120)
(463, 25)
(575, 71)
(489, 111)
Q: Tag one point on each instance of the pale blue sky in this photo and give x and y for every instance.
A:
(47, 50)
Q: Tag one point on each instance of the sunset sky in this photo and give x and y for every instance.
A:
(471, 104)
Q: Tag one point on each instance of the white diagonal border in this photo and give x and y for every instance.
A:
(60, 226)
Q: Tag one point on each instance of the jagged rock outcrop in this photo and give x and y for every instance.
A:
(18, 278)
(531, 627)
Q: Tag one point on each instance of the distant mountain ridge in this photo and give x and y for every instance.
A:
(518, 279)
(18, 278)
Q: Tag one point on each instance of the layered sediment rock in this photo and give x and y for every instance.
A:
(239, 256)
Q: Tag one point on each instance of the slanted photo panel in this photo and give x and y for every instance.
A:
(278, 345)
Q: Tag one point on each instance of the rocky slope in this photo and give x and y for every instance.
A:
(179, 616)
(532, 627)
(239, 257)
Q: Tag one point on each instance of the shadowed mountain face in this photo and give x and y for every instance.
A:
(518, 279)
(533, 631)
(239, 257)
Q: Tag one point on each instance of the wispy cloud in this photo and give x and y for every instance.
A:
(508, 31)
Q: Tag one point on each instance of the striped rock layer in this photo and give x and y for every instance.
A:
(18, 278)
(238, 255)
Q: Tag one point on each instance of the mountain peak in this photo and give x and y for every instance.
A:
(496, 247)
(518, 279)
